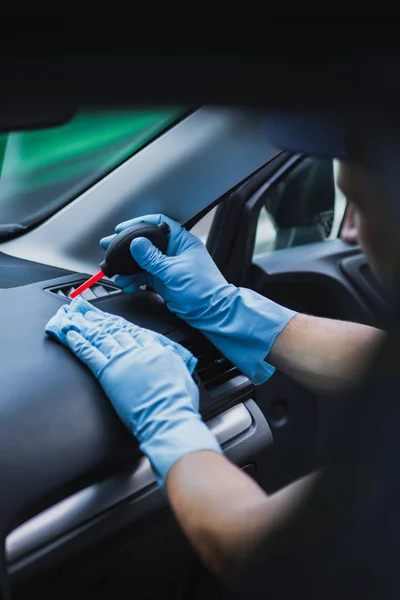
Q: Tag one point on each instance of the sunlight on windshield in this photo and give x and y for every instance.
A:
(40, 171)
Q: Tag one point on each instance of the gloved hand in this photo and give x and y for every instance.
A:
(148, 384)
(238, 321)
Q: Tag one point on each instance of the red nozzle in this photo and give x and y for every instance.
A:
(87, 284)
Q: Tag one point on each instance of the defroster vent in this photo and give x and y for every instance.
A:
(98, 290)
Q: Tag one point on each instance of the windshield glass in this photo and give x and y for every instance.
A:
(41, 171)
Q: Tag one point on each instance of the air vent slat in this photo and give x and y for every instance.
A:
(68, 290)
(222, 378)
(88, 295)
(98, 290)
(213, 368)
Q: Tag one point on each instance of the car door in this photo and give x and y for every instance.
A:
(279, 234)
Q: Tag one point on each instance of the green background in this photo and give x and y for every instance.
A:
(40, 171)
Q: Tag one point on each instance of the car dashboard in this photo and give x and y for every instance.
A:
(73, 476)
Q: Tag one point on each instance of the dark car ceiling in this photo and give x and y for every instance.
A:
(162, 72)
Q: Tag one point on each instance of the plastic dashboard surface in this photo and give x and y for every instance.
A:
(58, 431)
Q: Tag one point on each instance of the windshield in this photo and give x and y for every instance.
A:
(41, 171)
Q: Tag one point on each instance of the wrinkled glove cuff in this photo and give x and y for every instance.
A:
(177, 441)
(245, 330)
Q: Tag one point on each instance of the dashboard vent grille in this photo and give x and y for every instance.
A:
(98, 290)
(212, 368)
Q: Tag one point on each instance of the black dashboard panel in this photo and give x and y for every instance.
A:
(58, 432)
(15, 271)
(70, 533)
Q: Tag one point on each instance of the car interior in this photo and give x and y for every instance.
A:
(81, 511)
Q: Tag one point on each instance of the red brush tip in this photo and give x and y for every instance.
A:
(87, 284)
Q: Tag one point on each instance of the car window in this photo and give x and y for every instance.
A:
(202, 228)
(306, 207)
(41, 171)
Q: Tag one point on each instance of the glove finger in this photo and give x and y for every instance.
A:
(113, 324)
(155, 219)
(126, 340)
(131, 289)
(145, 338)
(150, 258)
(136, 333)
(95, 317)
(97, 334)
(107, 344)
(89, 355)
(79, 320)
(104, 320)
(125, 281)
(90, 321)
(106, 241)
(121, 325)
(95, 329)
(94, 314)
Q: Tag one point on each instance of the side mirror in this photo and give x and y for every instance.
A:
(302, 206)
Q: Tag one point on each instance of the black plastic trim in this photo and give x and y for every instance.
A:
(245, 445)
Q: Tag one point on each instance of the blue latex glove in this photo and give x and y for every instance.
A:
(58, 327)
(148, 384)
(238, 321)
